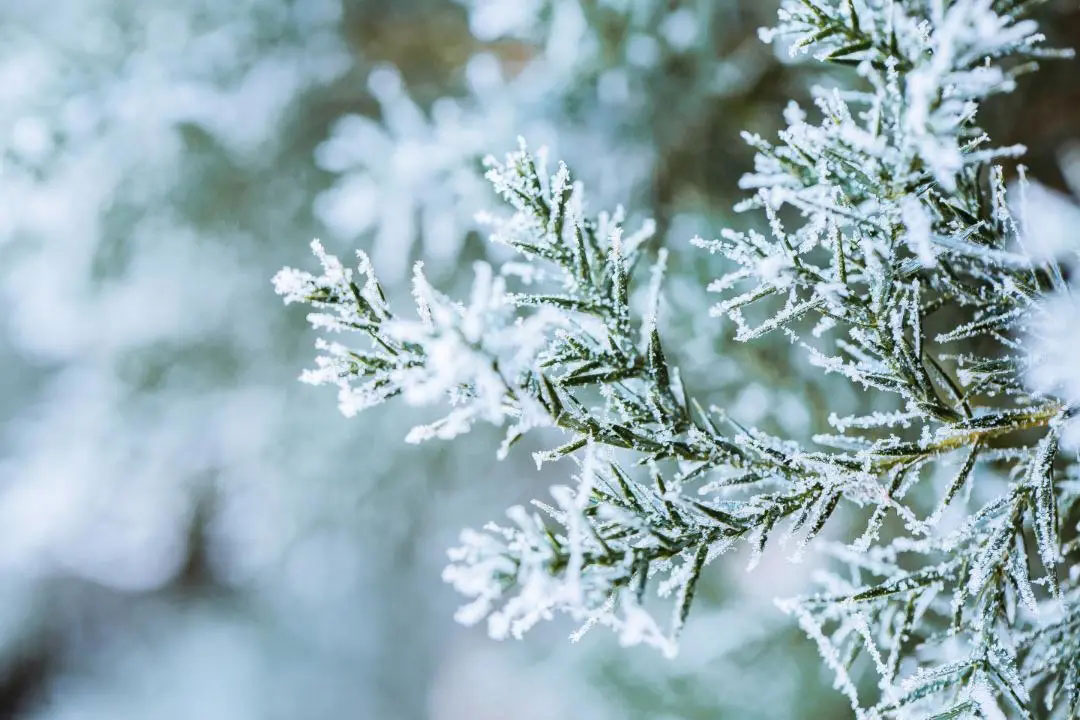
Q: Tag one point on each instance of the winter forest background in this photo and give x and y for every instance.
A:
(184, 530)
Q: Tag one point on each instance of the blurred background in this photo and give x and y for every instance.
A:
(185, 531)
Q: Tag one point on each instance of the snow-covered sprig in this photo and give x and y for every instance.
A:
(929, 62)
(953, 622)
(904, 226)
(453, 353)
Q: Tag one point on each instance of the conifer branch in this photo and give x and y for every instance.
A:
(898, 224)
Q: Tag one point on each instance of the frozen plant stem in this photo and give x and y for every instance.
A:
(902, 224)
